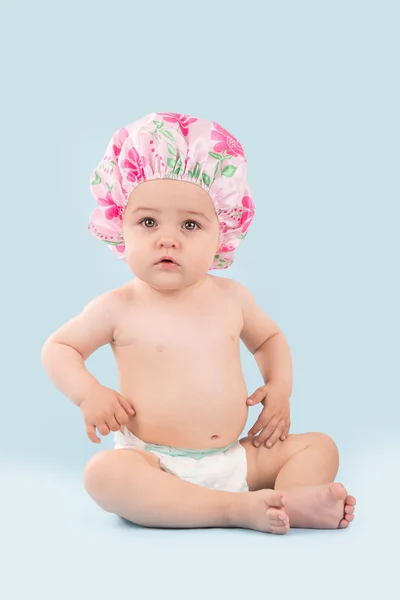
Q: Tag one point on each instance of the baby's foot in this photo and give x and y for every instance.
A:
(319, 506)
(262, 510)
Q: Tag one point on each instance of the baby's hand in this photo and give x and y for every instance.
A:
(274, 419)
(105, 409)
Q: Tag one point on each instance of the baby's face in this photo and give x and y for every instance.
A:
(158, 221)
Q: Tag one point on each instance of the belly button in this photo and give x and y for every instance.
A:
(213, 437)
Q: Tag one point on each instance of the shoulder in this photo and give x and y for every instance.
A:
(115, 304)
(233, 287)
(93, 326)
(236, 291)
(109, 303)
(99, 312)
(117, 295)
(123, 294)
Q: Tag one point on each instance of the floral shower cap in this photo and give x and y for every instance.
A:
(173, 146)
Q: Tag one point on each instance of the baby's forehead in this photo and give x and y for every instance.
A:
(169, 196)
(168, 187)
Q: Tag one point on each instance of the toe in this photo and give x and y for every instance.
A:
(349, 518)
(351, 500)
(276, 524)
(280, 529)
(277, 517)
(276, 498)
(343, 524)
(349, 509)
(338, 491)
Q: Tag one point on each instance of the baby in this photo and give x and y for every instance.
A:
(174, 202)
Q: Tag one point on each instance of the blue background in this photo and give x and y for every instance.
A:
(311, 90)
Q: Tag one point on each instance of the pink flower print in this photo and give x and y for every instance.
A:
(223, 227)
(248, 214)
(226, 249)
(226, 141)
(183, 121)
(135, 165)
(120, 136)
(114, 211)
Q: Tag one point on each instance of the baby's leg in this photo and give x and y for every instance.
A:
(130, 483)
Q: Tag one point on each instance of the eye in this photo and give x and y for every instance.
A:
(146, 220)
(194, 223)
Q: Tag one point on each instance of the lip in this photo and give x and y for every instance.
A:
(167, 258)
(167, 266)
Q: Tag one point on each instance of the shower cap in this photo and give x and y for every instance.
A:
(173, 146)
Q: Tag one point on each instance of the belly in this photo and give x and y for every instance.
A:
(191, 400)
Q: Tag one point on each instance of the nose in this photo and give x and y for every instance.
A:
(167, 244)
(167, 240)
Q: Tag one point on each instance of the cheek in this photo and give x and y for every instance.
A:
(132, 237)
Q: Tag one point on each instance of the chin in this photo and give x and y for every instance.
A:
(168, 280)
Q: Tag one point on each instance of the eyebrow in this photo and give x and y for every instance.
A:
(190, 212)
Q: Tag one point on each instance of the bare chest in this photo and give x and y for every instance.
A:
(179, 330)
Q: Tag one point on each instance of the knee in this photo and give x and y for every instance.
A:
(326, 444)
(96, 473)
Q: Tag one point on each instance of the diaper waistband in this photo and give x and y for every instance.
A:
(170, 450)
(196, 454)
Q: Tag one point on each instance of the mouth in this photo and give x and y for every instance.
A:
(167, 263)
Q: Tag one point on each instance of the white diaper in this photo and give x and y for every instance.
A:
(218, 469)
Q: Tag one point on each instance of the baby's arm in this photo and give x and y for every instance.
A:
(65, 351)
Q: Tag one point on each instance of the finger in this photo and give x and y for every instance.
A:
(126, 405)
(275, 436)
(258, 396)
(91, 433)
(285, 431)
(103, 428)
(121, 415)
(284, 434)
(259, 424)
(267, 431)
(113, 424)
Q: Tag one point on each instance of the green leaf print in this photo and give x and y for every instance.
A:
(178, 166)
(158, 124)
(110, 243)
(171, 162)
(97, 179)
(229, 170)
(168, 134)
(216, 169)
(196, 171)
(206, 179)
(171, 149)
(215, 155)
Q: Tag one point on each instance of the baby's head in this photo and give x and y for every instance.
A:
(170, 218)
(172, 163)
